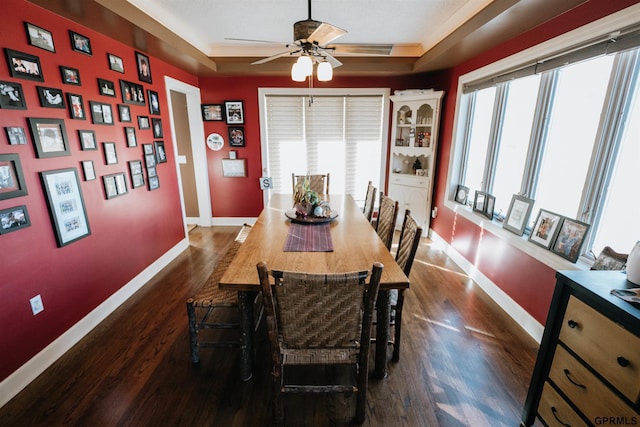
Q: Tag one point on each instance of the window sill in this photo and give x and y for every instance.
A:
(543, 255)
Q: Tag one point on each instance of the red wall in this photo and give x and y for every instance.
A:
(128, 233)
(528, 282)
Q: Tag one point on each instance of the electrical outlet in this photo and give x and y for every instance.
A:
(36, 304)
(434, 212)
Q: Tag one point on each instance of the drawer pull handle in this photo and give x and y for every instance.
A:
(567, 374)
(572, 324)
(555, 415)
(623, 362)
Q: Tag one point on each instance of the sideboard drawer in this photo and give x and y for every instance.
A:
(555, 411)
(594, 399)
(410, 180)
(608, 348)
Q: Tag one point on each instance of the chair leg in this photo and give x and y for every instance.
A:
(193, 332)
(398, 326)
(278, 403)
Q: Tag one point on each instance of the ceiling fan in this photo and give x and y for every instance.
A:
(311, 39)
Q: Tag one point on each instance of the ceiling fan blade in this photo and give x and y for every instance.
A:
(272, 57)
(362, 49)
(330, 58)
(252, 40)
(325, 33)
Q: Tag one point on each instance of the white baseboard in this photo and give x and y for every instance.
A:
(515, 311)
(233, 221)
(19, 379)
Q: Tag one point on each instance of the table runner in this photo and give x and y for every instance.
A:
(308, 238)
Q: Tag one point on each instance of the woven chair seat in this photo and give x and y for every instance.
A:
(211, 293)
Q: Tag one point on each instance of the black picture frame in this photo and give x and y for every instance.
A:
(161, 153)
(570, 238)
(236, 136)
(115, 185)
(16, 135)
(49, 137)
(88, 170)
(154, 102)
(12, 96)
(154, 183)
(76, 106)
(137, 176)
(479, 201)
(80, 43)
(106, 88)
(144, 123)
(70, 76)
(150, 161)
(110, 153)
(545, 228)
(12, 183)
(144, 67)
(234, 112)
(462, 194)
(132, 93)
(115, 63)
(156, 125)
(24, 66)
(50, 97)
(489, 206)
(39, 37)
(212, 112)
(130, 136)
(518, 214)
(152, 172)
(101, 113)
(87, 140)
(66, 205)
(124, 113)
(14, 219)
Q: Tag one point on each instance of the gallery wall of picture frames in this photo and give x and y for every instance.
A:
(79, 101)
(561, 235)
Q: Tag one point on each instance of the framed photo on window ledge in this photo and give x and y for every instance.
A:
(570, 239)
(545, 229)
(518, 214)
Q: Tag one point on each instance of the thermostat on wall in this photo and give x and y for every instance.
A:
(215, 141)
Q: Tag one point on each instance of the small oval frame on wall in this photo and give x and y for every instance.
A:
(215, 141)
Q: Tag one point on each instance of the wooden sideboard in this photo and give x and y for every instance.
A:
(588, 366)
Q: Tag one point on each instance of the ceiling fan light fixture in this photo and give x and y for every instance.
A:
(325, 72)
(305, 65)
(297, 74)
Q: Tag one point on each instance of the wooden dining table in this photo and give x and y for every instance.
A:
(356, 246)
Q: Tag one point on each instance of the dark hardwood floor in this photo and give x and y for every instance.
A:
(464, 362)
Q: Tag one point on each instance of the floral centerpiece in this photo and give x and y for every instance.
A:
(307, 202)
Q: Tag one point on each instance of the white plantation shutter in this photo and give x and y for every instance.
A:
(342, 135)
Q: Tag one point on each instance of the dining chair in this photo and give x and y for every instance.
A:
(318, 183)
(369, 201)
(319, 321)
(410, 235)
(386, 221)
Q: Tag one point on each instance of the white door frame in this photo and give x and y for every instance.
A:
(198, 150)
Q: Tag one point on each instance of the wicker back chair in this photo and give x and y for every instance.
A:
(386, 221)
(610, 260)
(317, 183)
(319, 320)
(369, 201)
(407, 246)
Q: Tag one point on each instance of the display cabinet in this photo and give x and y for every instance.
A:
(414, 136)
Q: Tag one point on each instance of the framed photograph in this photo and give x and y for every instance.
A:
(101, 113)
(518, 214)
(49, 137)
(144, 123)
(11, 96)
(212, 112)
(154, 183)
(144, 69)
(110, 155)
(234, 112)
(462, 194)
(16, 135)
(545, 228)
(137, 181)
(570, 239)
(147, 149)
(66, 205)
(76, 106)
(157, 128)
(132, 93)
(236, 136)
(23, 65)
(87, 140)
(152, 172)
(479, 202)
(150, 161)
(70, 76)
(109, 183)
(154, 102)
(161, 154)
(88, 170)
(124, 113)
(80, 43)
(14, 219)
(233, 168)
(50, 97)
(12, 183)
(115, 63)
(121, 184)
(39, 37)
(135, 170)
(489, 206)
(130, 134)
(106, 88)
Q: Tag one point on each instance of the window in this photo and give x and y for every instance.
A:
(344, 135)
